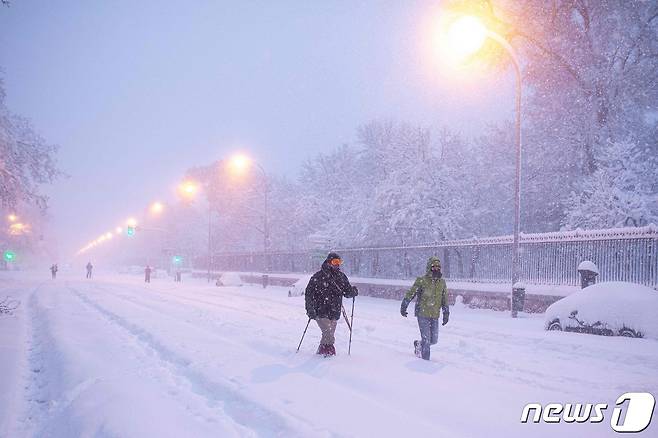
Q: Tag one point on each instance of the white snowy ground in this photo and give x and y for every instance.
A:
(113, 357)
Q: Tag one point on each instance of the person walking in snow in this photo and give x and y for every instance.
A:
(53, 271)
(89, 268)
(324, 300)
(431, 296)
(147, 274)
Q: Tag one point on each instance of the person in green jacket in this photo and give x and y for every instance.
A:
(431, 297)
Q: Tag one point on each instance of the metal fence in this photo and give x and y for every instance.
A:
(623, 254)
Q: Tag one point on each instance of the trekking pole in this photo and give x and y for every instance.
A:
(349, 348)
(347, 321)
(303, 334)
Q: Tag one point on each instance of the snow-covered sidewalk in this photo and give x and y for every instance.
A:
(116, 357)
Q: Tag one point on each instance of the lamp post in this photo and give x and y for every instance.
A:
(239, 163)
(467, 34)
(189, 190)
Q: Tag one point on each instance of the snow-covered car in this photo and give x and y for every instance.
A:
(298, 288)
(229, 279)
(612, 308)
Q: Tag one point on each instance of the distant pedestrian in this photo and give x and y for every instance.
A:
(179, 276)
(324, 300)
(53, 271)
(431, 296)
(147, 274)
(89, 269)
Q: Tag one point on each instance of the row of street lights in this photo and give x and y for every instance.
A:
(464, 35)
(238, 164)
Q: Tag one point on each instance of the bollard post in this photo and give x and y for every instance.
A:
(518, 298)
(588, 272)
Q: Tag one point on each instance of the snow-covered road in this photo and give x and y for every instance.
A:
(116, 357)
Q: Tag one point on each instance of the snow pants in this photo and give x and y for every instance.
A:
(429, 334)
(328, 327)
(88, 274)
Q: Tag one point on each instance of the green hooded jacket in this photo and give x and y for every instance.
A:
(431, 294)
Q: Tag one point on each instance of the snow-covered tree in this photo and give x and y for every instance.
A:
(619, 193)
(26, 160)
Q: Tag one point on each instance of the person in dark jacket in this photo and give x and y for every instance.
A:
(89, 268)
(53, 271)
(147, 274)
(431, 296)
(324, 300)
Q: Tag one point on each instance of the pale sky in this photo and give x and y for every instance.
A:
(136, 92)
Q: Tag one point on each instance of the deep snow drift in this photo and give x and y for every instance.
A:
(113, 356)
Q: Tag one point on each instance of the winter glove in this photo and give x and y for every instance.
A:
(311, 314)
(355, 292)
(446, 316)
(403, 307)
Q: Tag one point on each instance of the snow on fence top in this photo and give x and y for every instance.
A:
(649, 231)
(626, 233)
(621, 254)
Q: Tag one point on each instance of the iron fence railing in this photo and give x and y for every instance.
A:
(622, 254)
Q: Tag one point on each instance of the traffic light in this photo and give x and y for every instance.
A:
(9, 256)
(177, 260)
(130, 231)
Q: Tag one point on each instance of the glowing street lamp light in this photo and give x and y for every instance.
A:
(466, 36)
(157, 208)
(16, 229)
(239, 163)
(188, 189)
(12, 218)
(118, 230)
(131, 222)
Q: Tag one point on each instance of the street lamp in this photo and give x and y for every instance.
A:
(156, 208)
(18, 228)
(188, 189)
(239, 163)
(465, 36)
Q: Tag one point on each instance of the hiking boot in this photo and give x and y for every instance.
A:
(322, 349)
(331, 351)
(417, 349)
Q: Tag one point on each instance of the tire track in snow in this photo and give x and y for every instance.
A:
(248, 413)
(344, 385)
(42, 371)
(209, 322)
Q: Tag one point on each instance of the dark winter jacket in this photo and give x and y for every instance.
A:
(325, 292)
(431, 294)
